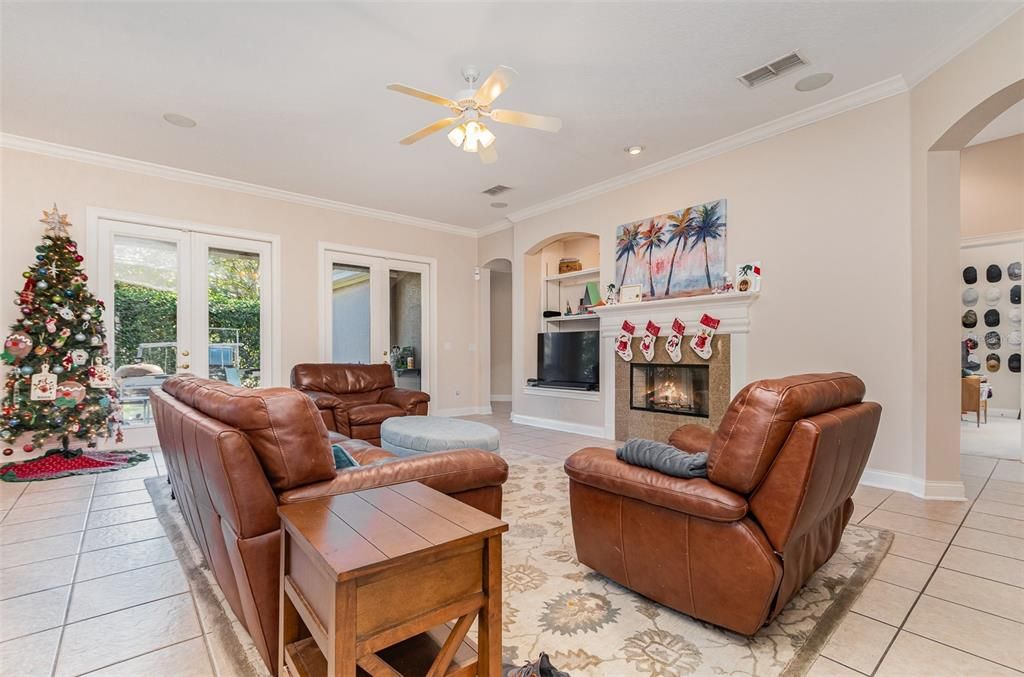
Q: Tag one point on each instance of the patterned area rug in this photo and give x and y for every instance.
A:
(592, 626)
(57, 463)
(589, 625)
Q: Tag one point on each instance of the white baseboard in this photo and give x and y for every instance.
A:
(563, 426)
(911, 484)
(462, 411)
(500, 398)
(1002, 413)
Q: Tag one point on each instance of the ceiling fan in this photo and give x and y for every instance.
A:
(469, 107)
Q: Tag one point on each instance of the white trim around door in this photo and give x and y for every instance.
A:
(330, 252)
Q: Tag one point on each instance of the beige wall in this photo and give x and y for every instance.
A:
(992, 187)
(826, 209)
(501, 333)
(32, 182)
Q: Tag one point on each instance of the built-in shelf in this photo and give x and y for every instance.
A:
(586, 272)
(570, 318)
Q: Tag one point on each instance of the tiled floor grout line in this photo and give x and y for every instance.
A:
(104, 667)
(954, 648)
(924, 587)
(968, 606)
(71, 592)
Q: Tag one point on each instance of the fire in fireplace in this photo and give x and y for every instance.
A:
(670, 388)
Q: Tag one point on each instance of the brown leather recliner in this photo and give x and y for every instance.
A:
(734, 548)
(354, 399)
(233, 455)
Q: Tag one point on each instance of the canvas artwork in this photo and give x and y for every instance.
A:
(676, 254)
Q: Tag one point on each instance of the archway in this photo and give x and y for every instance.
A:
(941, 443)
(496, 333)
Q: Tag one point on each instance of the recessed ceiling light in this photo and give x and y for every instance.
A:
(634, 150)
(179, 120)
(499, 205)
(813, 82)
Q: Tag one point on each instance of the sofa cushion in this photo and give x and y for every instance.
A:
(282, 426)
(343, 378)
(600, 469)
(372, 414)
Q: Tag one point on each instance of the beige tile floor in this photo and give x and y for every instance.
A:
(90, 585)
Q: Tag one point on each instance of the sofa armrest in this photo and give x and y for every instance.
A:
(409, 401)
(447, 471)
(338, 408)
(600, 469)
(692, 438)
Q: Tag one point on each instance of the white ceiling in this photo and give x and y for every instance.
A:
(291, 95)
(1010, 123)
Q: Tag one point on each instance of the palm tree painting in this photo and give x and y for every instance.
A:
(681, 253)
(652, 239)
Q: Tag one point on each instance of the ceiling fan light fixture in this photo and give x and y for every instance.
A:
(457, 135)
(485, 137)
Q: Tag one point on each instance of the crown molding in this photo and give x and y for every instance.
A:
(495, 227)
(952, 46)
(108, 161)
(1005, 237)
(842, 104)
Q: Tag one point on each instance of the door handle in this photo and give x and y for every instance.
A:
(184, 353)
(184, 366)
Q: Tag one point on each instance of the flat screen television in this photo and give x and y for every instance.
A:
(569, 359)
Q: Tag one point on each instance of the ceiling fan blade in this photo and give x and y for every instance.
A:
(420, 94)
(488, 155)
(428, 130)
(513, 117)
(496, 83)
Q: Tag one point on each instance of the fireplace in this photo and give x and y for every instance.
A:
(680, 389)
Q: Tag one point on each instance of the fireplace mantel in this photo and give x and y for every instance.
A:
(732, 309)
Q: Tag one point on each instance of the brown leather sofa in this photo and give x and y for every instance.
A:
(233, 455)
(354, 399)
(734, 548)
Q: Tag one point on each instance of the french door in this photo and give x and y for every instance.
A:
(377, 309)
(180, 301)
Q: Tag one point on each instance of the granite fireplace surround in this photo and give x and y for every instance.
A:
(658, 425)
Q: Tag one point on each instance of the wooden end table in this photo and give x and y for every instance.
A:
(389, 567)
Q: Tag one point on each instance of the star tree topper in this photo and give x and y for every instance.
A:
(56, 223)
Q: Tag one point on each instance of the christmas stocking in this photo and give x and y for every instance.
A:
(647, 342)
(674, 344)
(701, 342)
(624, 343)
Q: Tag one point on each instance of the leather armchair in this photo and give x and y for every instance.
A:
(734, 548)
(354, 399)
(233, 455)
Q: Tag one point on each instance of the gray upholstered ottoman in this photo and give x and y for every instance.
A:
(411, 435)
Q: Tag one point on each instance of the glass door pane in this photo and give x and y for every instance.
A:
(148, 306)
(234, 324)
(406, 327)
(350, 313)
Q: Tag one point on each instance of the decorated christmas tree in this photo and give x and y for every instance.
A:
(58, 382)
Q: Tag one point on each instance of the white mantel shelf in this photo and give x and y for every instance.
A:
(732, 309)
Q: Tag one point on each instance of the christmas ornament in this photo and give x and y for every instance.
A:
(624, 342)
(99, 375)
(40, 350)
(674, 343)
(51, 325)
(701, 342)
(647, 342)
(17, 346)
(27, 294)
(79, 357)
(62, 338)
(56, 223)
(95, 340)
(44, 384)
(748, 276)
(66, 313)
(80, 337)
(69, 393)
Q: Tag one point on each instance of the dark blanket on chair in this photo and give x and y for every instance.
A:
(664, 458)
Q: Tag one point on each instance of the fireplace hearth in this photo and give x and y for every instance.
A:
(681, 389)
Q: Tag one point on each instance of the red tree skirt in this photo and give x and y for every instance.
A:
(58, 463)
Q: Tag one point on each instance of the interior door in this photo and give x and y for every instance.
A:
(379, 311)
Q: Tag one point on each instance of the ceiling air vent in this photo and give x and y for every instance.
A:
(772, 70)
(496, 190)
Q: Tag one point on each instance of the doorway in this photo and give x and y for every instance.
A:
(377, 308)
(500, 332)
(182, 300)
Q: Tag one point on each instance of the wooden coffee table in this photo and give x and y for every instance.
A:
(401, 567)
